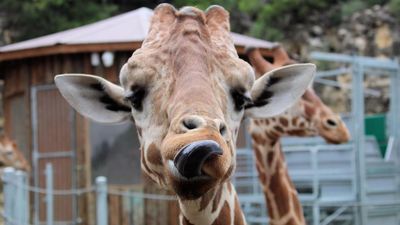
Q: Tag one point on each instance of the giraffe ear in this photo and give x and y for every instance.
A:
(277, 90)
(94, 97)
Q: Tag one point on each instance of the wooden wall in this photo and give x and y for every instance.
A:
(128, 210)
(21, 75)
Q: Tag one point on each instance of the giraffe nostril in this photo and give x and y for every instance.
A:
(331, 123)
(192, 122)
(189, 124)
(222, 129)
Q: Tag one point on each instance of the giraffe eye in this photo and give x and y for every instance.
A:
(136, 97)
(240, 99)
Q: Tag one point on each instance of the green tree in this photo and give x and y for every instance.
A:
(31, 18)
(394, 6)
(275, 20)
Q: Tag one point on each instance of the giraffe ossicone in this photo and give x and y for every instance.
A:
(186, 89)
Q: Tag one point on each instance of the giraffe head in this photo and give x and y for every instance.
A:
(321, 120)
(11, 156)
(309, 116)
(187, 91)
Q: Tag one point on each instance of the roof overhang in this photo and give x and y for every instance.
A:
(88, 48)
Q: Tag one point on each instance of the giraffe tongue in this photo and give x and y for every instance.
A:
(190, 159)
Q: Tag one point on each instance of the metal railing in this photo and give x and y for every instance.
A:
(17, 191)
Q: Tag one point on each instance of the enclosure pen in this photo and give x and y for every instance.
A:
(17, 191)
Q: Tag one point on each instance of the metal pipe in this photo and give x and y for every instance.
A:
(49, 194)
(20, 199)
(335, 72)
(101, 203)
(8, 177)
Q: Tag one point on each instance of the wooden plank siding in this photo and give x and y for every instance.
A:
(129, 210)
(19, 77)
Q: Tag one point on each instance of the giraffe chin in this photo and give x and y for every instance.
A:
(189, 188)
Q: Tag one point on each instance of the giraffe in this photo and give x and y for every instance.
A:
(187, 91)
(11, 156)
(308, 117)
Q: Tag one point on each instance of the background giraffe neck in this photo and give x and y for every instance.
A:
(219, 206)
(284, 125)
(284, 207)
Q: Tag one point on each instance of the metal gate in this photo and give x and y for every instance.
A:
(53, 130)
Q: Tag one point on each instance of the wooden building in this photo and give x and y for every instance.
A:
(48, 130)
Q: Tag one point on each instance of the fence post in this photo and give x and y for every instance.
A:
(8, 195)
(49, 194)
(20, 209)
(101, 201)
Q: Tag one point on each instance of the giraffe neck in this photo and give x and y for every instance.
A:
(219, 206)
(277, 127)
(284, 207)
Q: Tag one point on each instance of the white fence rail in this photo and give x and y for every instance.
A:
(16, 188)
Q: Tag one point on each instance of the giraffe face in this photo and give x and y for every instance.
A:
(10, 155)
(187, 92)
(323, 120)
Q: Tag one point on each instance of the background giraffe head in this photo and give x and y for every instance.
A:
(187, 91)
(11, 156)
(308, 117)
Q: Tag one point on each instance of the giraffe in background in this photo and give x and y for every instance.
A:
(308, 117)
(11, 156)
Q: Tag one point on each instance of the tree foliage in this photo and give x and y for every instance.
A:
(31, 18)
(273, 19)
(268, 19)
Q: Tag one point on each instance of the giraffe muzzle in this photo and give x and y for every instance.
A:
(191, 158)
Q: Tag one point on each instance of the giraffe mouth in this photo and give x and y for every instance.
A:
(334, 142)
(191, 158)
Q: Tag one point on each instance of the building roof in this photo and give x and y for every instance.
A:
(122, 32)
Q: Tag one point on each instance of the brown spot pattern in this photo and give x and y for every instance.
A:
(281, 193)
(257, 153)
(217, 198)
(294, 121)
(238, 219)
(262, 176)
(205, 200)
(274, 136)
(186, 221)
(258, 138)
(270, 157)
(154, 155)
(297, 206)
(284, 121)
(228, 173)
(279, 129)
(224, 216)
(296, 132)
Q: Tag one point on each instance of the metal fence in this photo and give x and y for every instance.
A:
(17, 191)
(345, 184)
